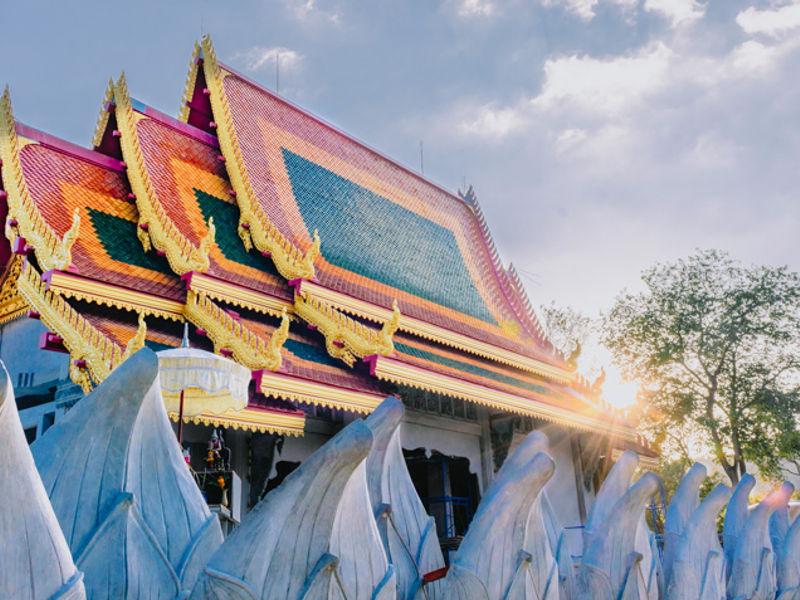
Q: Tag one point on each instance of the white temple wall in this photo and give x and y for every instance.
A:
(19, 350)
(448, 436)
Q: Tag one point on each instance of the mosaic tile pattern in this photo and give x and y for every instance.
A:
(190, 182)
(58, 183)
(301, 168)
(440, 359)
(374, 237)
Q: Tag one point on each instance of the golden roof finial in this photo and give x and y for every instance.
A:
(52, 251)
(105, 113)
(136, 343)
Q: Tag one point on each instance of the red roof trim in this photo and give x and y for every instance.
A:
(339, 131)
(179, 126)
(65, 147)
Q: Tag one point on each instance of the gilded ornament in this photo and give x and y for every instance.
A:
(52, 252)
(156, 228)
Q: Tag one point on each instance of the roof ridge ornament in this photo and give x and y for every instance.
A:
(255, 227)
(156, 228)
(25, 221)
(136, 343)
(188, 88)
(345, 337)
(227, 333)
(105, 114)
(94, 355)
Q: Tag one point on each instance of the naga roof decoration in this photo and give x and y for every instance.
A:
(156, 225)
(24, 223)
(255, 227)
(346, 338)
(12, 304)
(308, 176)
(94, 355)
(231, 335)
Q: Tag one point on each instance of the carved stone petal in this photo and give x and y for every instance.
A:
(35, 561)
(118, 443)
(313, 535)
(407, 531)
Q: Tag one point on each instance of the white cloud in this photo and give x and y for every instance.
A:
(773, 22)
(678, 12)
(476, 8)
(569, 139)
(711, 151)
(752, 57)
(604, 85)
(307, 10)
(585, 9)
(495, 123)
(259, 57)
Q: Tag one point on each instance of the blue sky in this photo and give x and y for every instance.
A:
(600, 135)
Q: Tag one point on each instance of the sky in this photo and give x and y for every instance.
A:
(601, 136)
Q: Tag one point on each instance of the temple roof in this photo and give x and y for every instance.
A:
(386, 233)
(215, 222)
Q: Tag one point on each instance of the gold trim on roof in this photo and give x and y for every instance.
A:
(188, 88)
(427, 331)
(12, 304)
(156, 228)
(237, 295)
(227, 333)
(255, 228)
(52, 252)
(388, 369)
(310, 392)
(346, 338)
(105, 113)
(250, 419)
(105, 294)
(86, 344)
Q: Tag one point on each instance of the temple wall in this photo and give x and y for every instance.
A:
(19, 350)
(449, 436)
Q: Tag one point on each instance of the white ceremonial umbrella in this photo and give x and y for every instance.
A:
(194, 381)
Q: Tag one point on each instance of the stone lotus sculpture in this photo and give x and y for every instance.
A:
(134, 518)
(697, 568)
(789, 562)
(313, 537)
(349, 524)
(610, 567)
(610, 494)
(407, 531)
(753, 569)
(35, 561)
(506, 553)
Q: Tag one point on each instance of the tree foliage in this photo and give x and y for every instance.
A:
(566, 328)
(717, 348)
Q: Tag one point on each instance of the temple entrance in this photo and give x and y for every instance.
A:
(448, 490)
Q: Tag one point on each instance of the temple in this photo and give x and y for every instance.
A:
(336, 276)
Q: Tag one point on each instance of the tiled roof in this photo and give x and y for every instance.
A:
(190, 182)
(440, 359)
(60, 178)
(386, 232)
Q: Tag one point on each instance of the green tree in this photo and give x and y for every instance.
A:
(567, 328)
(716, 346)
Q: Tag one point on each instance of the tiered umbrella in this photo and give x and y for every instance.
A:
(195, 381)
